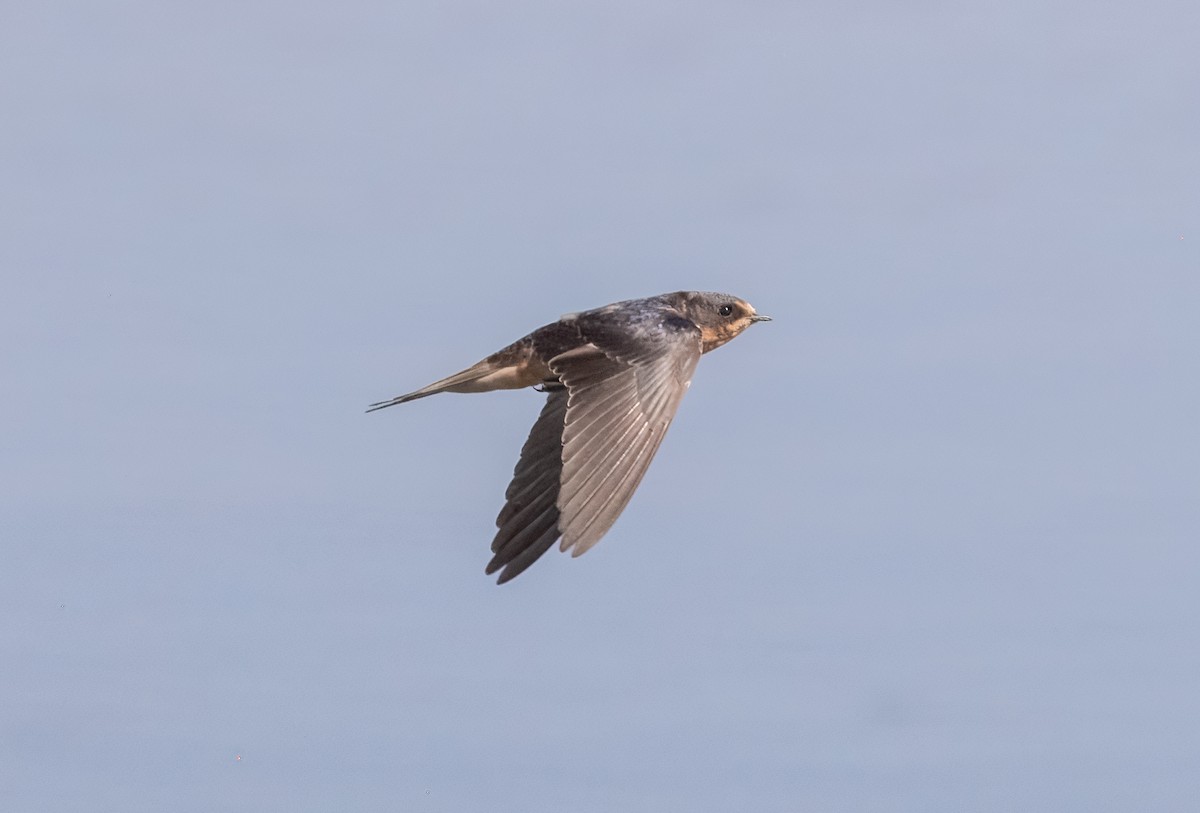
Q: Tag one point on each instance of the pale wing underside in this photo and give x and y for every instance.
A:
(618, 413)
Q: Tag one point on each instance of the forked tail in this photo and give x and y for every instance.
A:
(469, 380)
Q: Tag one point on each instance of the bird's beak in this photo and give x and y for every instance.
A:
(759, 318)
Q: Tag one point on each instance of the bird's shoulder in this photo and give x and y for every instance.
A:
(636, 328)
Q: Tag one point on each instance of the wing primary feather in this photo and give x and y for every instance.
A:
(584, 468)
(529, 494)
(527, 557)
(608, 493)
(528, 522)
(507, 546)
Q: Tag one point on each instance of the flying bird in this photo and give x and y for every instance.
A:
(614, 377)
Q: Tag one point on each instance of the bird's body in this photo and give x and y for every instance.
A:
(615, 376)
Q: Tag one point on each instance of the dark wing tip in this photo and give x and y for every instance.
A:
(516, 562)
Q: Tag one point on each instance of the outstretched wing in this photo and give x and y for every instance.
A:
(622, 399)
(594, 439)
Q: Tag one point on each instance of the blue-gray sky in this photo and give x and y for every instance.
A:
(926, 542)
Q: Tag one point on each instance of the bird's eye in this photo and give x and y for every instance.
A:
(725, 310)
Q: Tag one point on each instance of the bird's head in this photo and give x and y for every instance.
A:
(720, 317)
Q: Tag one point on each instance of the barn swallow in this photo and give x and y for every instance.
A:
(614, 378)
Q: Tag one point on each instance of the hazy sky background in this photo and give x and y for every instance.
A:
(926, 542)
